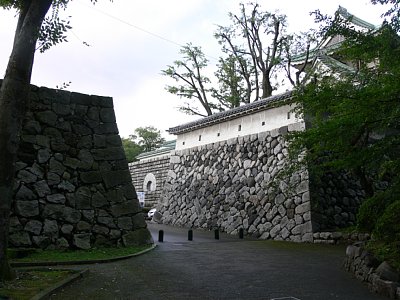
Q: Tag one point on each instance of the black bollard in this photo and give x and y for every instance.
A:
(190, 235)
(241, 233)
(216, 234)
(161, 236)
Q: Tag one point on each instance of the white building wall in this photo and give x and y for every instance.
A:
(254, 123)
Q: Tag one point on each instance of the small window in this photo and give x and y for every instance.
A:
(218, 134)
(183, 143)
(148, 186)
(288, 115)
(262, 123)
(240, 128)
(199, 138)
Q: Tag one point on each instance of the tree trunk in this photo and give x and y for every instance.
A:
(266, 86)
(14, 95)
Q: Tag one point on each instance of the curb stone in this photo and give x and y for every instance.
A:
(47, 292)
(78, 262)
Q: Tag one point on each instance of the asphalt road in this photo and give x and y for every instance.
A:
(228, 268)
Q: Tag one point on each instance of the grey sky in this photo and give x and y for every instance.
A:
(131, 41)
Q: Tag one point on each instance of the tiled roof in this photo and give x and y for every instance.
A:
(355, 20)
(231, 114)
(299, 59)
(164, 149)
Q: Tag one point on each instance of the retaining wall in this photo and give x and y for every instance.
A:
(232, 184)
(149, 177)
(73, 186)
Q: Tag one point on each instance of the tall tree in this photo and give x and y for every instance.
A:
(131, 148)
(33, 31)
(189, 72)
(354, 122)
(149, 138)
(231, 88)
(263, 34)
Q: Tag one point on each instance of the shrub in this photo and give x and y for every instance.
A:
(388, 226)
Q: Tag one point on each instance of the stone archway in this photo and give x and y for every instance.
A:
(149, 183)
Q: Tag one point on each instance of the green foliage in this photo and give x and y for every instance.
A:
(131, 148)
(386, 251)
(52, 32)
(149, 138)
(189, 72)
(81, 255)
(29, 283)
(371, 210)
(388, 226)
(353, 123)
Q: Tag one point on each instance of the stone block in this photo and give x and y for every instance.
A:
(91, 177)
(302, 229)
(100, 229)
(125, 223)
(71, 215)
(50, 228)
(83, 197)
(82, 240)
(124, 209)
(20, 239)
(303, 208)
(138, 237)
(107, 221)
(24, 193)
(81, 226)
(41, 241)
(114, 178)
(56, 198)
(34, 227)
(107, 115)
(27, 208)
(386, 272)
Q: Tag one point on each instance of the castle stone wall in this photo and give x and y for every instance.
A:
(227, 185)
(73, 188)
(149, 177)
(233, 184)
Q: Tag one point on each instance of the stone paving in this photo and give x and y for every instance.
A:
(228, 268)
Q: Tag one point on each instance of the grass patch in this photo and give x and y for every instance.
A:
(79, 255)
(389, 252)
(29, 283)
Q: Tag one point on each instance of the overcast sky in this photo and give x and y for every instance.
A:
(131, 41)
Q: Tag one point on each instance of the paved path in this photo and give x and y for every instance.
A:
(225, 269)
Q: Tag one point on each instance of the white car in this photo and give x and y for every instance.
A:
(151, 212)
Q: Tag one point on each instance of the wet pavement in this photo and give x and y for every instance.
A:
(228, 268)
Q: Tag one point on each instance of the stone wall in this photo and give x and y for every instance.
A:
(232, 184)
(336, 198)
(149, 177)
(226, 185)
(73, 187)
(380, 277)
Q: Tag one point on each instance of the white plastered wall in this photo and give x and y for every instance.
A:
(254, 123)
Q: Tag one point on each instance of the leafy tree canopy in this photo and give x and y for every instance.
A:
(149, 138)
(354, 121)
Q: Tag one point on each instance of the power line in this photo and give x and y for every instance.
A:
(138, 28)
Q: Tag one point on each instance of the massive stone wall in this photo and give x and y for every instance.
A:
(149, 177)
(227, 185)
(73, 186)
(336, 198)
(233, 184)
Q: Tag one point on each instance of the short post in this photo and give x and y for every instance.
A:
(241, 233)
(190, 235)
(216, 234)
(161, 236)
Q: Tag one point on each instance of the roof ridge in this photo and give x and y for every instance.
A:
(232, 113)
